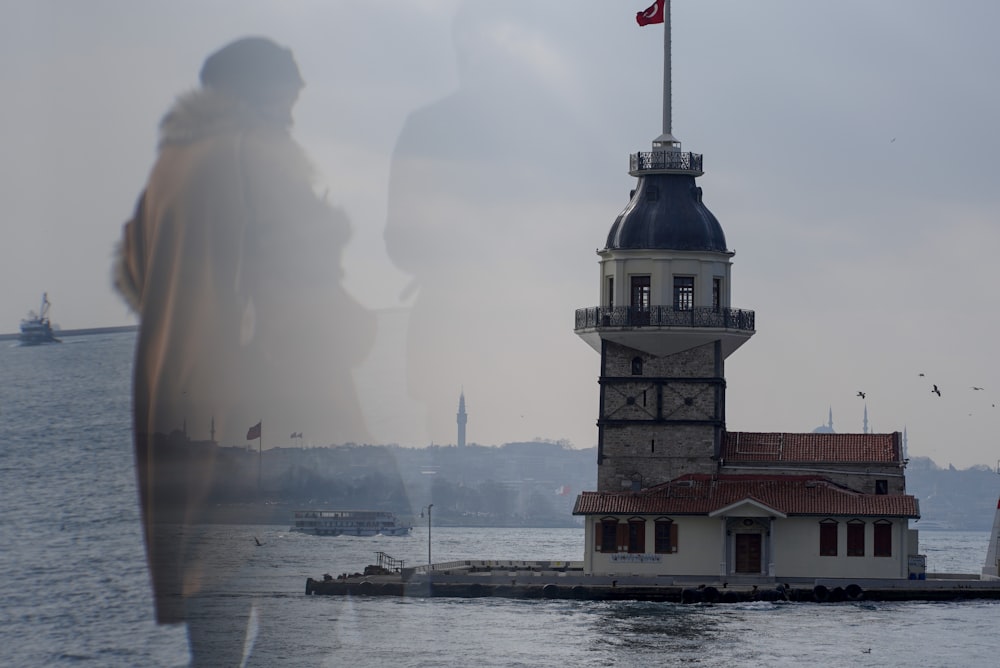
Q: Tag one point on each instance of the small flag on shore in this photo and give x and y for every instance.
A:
(253, 432)
(653, 14)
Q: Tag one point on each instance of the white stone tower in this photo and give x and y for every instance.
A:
(664, 326)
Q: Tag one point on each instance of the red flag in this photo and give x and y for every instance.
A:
(253, 432)
(654, 14)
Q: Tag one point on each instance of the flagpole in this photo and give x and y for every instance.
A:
(260, 442)
(667, 101)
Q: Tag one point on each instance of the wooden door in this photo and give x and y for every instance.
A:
(748, 552)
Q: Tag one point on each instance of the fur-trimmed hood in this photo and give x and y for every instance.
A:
(205, 112)
(195, 116)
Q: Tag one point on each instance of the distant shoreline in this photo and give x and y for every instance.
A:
(62, 333)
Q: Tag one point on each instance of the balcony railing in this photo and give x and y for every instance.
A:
(664, 316)
(654, 160)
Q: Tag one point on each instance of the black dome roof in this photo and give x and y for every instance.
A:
(666, 213)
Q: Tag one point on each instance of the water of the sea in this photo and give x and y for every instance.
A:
(74, 589)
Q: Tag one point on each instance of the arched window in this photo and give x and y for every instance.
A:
(665, 536)
(636, 366)
(636, 535)
(607, 534)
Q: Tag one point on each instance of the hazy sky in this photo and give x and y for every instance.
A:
(850, 155)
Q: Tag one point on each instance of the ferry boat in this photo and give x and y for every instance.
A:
(36, 329)
(349, 523)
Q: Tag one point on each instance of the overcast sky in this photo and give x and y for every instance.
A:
(850, 155)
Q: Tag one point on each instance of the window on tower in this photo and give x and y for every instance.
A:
(683, 293)
(716, 294)
(636, 366)
(641, 300)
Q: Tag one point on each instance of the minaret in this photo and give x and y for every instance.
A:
(664, 326)
(461, 418)
(865, 424)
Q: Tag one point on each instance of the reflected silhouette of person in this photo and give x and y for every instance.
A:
(233, 265)
(484, 188)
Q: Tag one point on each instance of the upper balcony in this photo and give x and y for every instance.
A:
(665, 162)
(664, 316)
(663, 330)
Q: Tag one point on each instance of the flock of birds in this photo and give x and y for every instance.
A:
(934, 390)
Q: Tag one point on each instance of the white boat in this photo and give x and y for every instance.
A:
(36, 329)
(349, 523)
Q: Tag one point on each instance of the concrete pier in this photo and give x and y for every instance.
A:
(566, 580)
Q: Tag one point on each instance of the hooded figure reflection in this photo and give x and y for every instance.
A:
(484, 190)
(233, 265)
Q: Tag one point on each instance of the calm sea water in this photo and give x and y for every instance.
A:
(74, 589)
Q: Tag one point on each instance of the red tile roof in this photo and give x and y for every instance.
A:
(699, 494)
(744, 446)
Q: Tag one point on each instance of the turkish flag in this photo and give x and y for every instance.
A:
(654, 14)
(253, 432)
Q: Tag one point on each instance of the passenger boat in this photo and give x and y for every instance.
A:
(349, 523)
(36, 329)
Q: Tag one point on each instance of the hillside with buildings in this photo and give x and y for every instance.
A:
(517, 484)
(953, 499)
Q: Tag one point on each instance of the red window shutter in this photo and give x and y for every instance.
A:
(622, 537)
(855, 539)
(883, 539)
(828, 539)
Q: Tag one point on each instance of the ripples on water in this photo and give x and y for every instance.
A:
(74, 589)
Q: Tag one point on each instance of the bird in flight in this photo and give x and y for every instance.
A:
(861, 394)
(976, 388)
(936, 391)
(920, 374)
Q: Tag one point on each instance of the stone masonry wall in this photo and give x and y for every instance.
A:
(641, 447)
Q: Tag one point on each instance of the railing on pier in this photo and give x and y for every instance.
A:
(664, 316)
(389, 563)
(657, 160)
